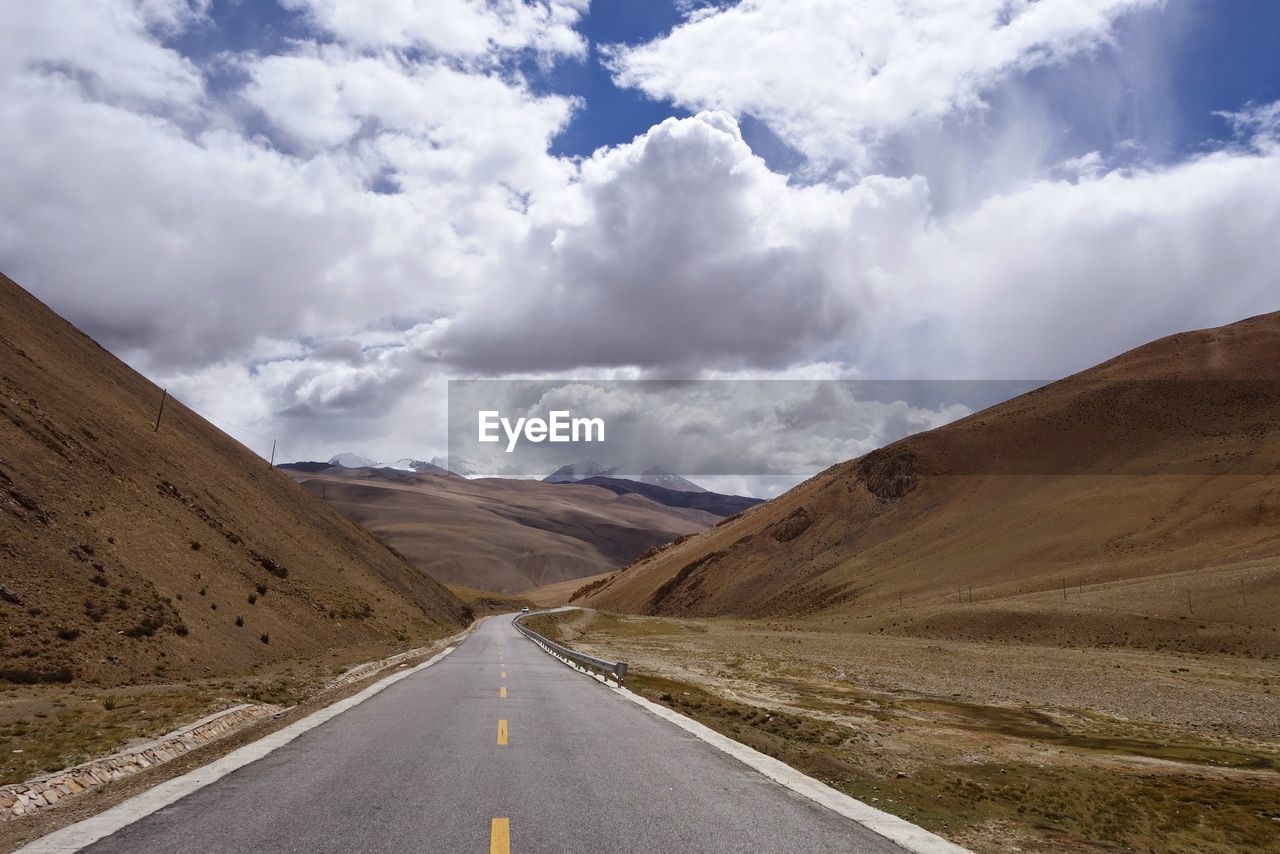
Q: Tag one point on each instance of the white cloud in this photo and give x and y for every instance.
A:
(109, 45)
(684, 250)
(472, 29)
(377, 208)
(835, 78)
(1063, 274)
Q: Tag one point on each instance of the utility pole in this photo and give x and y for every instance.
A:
(273, 453)
(164, 395)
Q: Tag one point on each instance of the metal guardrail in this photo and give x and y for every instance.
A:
(615, 670)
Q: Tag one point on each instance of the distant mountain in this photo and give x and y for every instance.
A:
(350, 460)
(503, 534)
(665, 479)
(575, 472)
(456, 465)
(404, 468)
(709, 502)
(437, 465)
(655, 476)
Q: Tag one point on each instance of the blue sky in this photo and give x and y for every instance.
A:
(1215, 55)
(306, 218)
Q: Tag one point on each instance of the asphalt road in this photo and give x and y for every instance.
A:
(423, 767)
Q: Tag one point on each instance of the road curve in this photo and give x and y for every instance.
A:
(447, 761)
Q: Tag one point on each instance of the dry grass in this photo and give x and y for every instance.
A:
(1025, 773)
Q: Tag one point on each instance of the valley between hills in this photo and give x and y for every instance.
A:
(1052, 625)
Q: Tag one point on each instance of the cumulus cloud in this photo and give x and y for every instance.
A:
(685, 251)
(110, 47)
(835, 79)
(312, 248)
(474, 29)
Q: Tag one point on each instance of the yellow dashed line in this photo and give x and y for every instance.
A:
(504, 674)
(500, 836)
(502, 692)
(502, 732)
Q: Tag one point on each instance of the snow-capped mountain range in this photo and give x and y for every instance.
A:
(351, 460)
(565, 474)
(653, 476)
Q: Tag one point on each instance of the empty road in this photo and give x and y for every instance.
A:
(498, 747)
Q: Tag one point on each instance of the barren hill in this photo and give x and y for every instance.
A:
(128, 554)
(1136, 503)
(712, 502)
(499, 534)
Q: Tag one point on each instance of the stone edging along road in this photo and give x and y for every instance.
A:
(19, 799)
(40, 793)
(84, 833)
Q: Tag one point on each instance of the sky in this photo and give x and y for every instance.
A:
(304, 217)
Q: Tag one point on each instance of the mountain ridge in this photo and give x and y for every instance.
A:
(1154, 465)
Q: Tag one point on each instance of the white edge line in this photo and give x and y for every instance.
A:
(897, 830)
(84, 833)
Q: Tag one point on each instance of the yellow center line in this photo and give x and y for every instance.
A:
(504, 674)
(502, 692)
(500, 836)
(502, 732)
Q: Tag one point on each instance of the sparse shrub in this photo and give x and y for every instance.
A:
(94, 611)
(213, 606)
(271, 566)
(204, 591)
(26, 676)
(181, 630)
(195, 545)
(109, 703)
(239, 621)
(67, 633)
(262, 589)
(146, 626)
(178, 596)
(100, 580)
(126, 591)
(264, 637)
(253, 598)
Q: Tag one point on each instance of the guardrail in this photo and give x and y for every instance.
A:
(615, 670)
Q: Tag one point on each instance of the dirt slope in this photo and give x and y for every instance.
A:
(712, 502)
(501, 535)
(126, 555)
(1136, 503)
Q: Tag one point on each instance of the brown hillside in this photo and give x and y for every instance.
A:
(126, 554)
(1136, 503)
(498, 534)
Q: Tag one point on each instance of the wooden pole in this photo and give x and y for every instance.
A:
(163, 397)
(273, 453)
